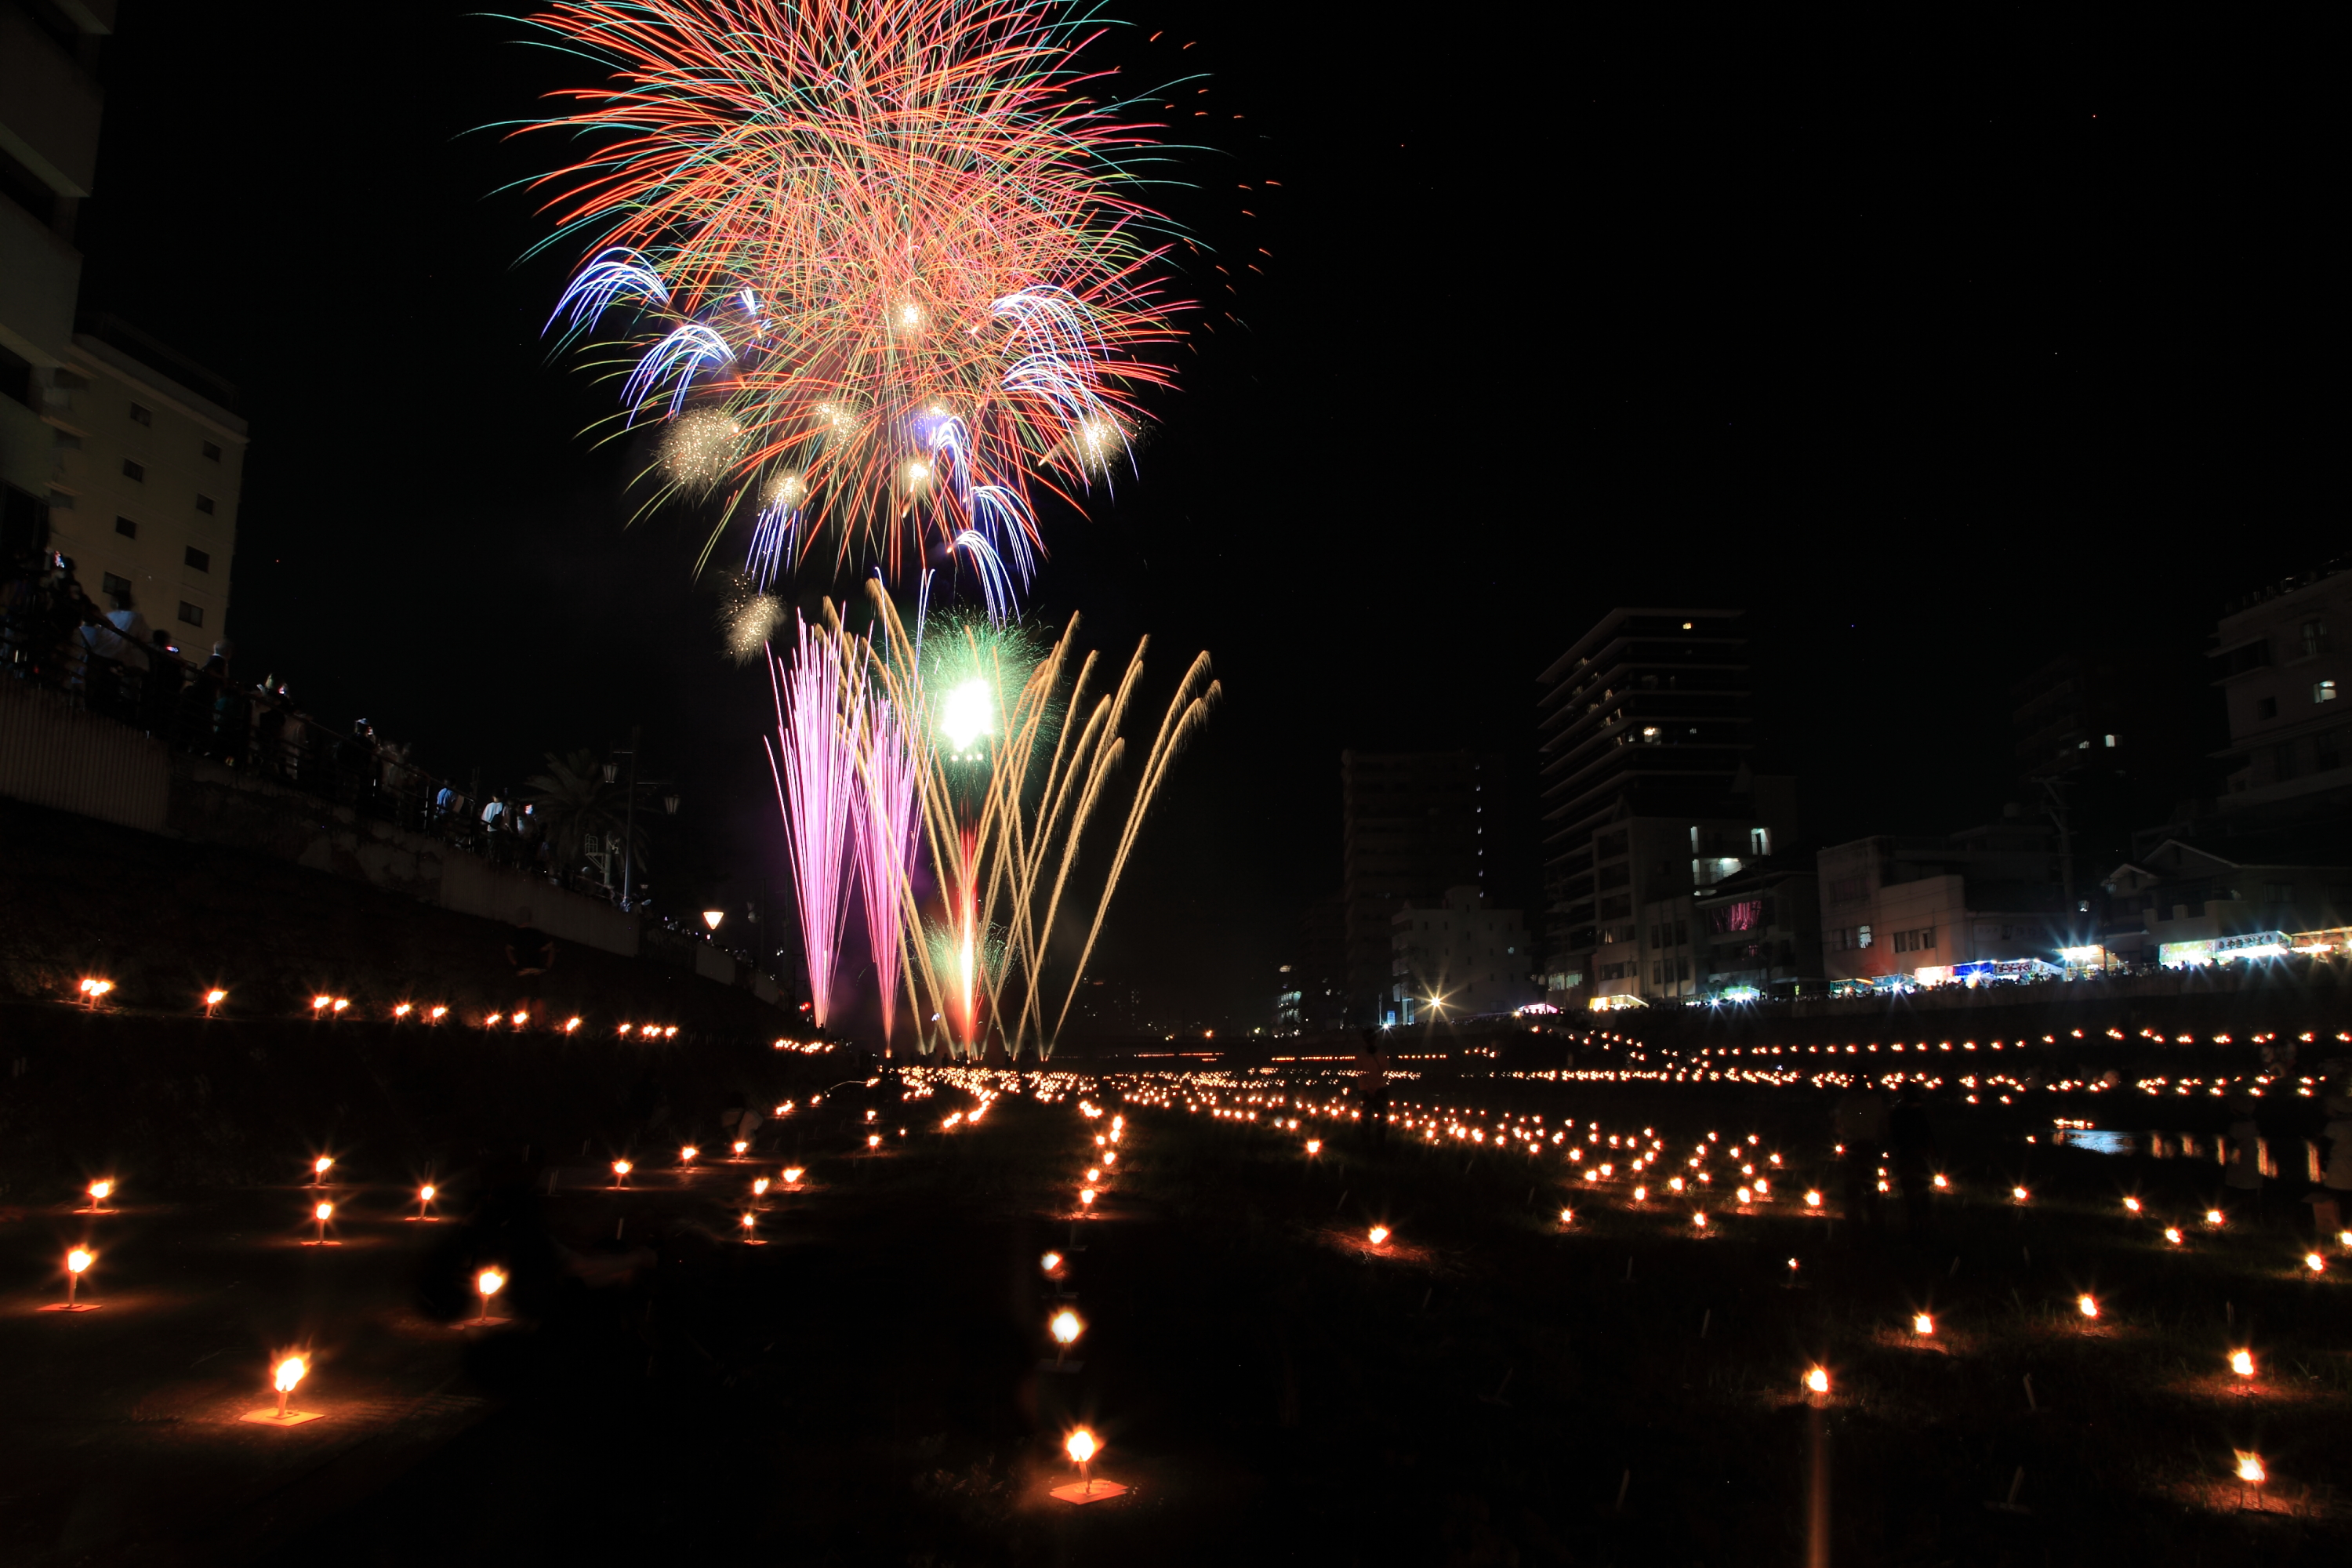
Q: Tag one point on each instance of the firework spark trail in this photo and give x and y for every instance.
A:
(815, 759)
(1024, 831)
(895, 239)
(888, 834)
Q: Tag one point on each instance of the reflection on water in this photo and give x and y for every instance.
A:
(2099, 1141)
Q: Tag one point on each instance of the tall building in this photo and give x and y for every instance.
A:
(1320, 974)
(50, 106)
(145, 497)
(1456, 959)
(1650, 800)
(1413, 829)
(114, 450)
(2283, 681)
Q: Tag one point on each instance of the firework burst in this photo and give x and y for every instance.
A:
(894, 243)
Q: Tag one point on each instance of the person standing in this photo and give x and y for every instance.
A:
(531, 951)
(2332, 1197)
(1860, 1118)
(1911, 1133)
(1372, 1088)
(2242, 1163)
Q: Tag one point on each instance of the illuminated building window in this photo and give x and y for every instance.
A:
(131, 470)
(192, 614)
(125, 527)
(2323, 692)
(141, 416)
(200, 560)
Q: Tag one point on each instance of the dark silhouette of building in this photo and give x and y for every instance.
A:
(1413, 829)
(1649, 799)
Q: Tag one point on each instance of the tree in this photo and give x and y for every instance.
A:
(578, 805)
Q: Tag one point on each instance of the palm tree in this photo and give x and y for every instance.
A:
(578, 803)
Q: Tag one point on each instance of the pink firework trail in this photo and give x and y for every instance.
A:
(888, 821)
(814, 759)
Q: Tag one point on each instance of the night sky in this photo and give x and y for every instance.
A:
(1940, 350)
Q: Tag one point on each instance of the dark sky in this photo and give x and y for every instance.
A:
(1941, 341)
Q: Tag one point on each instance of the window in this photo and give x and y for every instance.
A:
(125, 527)
(204, 504)
(2111, 741)
(2323, 692)
(2278, 892)
(141, 416)
(211, 451)
(131, 470)
(192, 614)
(1682, 969)
(1746, 915)
(201, 560)
(1760, 841)
(1681, 933)
(1862, 936)
(112, 584)
(2315, 636)
(1921, 940)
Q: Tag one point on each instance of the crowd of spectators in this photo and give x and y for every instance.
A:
(113, 664)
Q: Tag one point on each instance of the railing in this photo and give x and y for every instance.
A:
(53, 637)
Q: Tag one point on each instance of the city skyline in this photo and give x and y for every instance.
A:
(1901, 557)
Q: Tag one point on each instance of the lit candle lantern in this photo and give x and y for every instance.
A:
(2087, 1305)
(792, 1174)
(621, 1169)
(486, 1284)
(1378, 1235)
(323, 1214)
(1817, 1381)
(2242, 1363)
(77, 1261)
(99, 1190)
(1923, 1325)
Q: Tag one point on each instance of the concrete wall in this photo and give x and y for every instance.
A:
(53, 754)
(56, 755)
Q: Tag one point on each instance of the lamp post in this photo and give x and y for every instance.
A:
(629, 822)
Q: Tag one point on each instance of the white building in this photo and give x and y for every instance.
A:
(1457, 959)
(112, 448)
(145, 489)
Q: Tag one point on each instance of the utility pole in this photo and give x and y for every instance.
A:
(2058, 815)
(629, 829)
